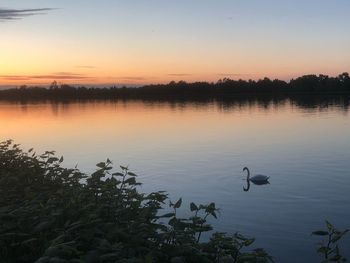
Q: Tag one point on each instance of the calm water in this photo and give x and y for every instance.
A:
(197, 151)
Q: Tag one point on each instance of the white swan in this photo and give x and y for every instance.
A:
(256, 179)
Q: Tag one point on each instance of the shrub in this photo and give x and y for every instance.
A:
(329, 247)
(49, 213)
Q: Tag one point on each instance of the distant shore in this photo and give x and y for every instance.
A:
(224, 89)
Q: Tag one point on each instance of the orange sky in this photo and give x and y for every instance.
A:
(128, 43)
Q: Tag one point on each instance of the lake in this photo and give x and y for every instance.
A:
(197, 151)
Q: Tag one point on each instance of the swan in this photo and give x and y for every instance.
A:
(256, 179)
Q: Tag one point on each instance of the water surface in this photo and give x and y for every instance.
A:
(197, 151)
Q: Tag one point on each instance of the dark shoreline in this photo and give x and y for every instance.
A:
(308, 91)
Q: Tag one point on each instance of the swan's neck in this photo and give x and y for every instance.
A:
(248, 175)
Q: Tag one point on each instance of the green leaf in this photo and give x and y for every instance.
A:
(338, 235)
(210, 208)
(178, 203)
(336, 238)
(172, 221)
(322, 249)
(130, 181)
(248, 242)
(329, 226)
(240, 237)
(320, 233)
(193, 207)
(124, 167)
(167, 215)
(118, 174)
(52, 159)
(101, 165)
(131, 174)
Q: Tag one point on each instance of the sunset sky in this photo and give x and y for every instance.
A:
(156, 41)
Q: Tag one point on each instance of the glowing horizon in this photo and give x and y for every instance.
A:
(124, 42)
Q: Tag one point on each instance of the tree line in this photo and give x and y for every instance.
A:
(223, 89)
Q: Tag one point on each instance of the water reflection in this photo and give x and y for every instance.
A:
(246, 189)
(307, 102)
(178, 147)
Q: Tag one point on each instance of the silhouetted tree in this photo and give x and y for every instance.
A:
(223, 89)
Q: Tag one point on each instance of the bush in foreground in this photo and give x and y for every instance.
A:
(52, 214)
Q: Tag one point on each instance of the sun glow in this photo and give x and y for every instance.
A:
(121, 44)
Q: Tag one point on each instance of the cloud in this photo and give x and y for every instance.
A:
(53, 76)
(83, 66)
(133, 78)
(13, 78)
(232, 74)
(12, 14)
(179, 74)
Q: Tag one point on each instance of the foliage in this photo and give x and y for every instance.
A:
(223, 89)
(53, 214)
(329, 248)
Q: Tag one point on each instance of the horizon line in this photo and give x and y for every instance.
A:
(137, 85)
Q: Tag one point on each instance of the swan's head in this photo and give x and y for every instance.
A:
(245, 169)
